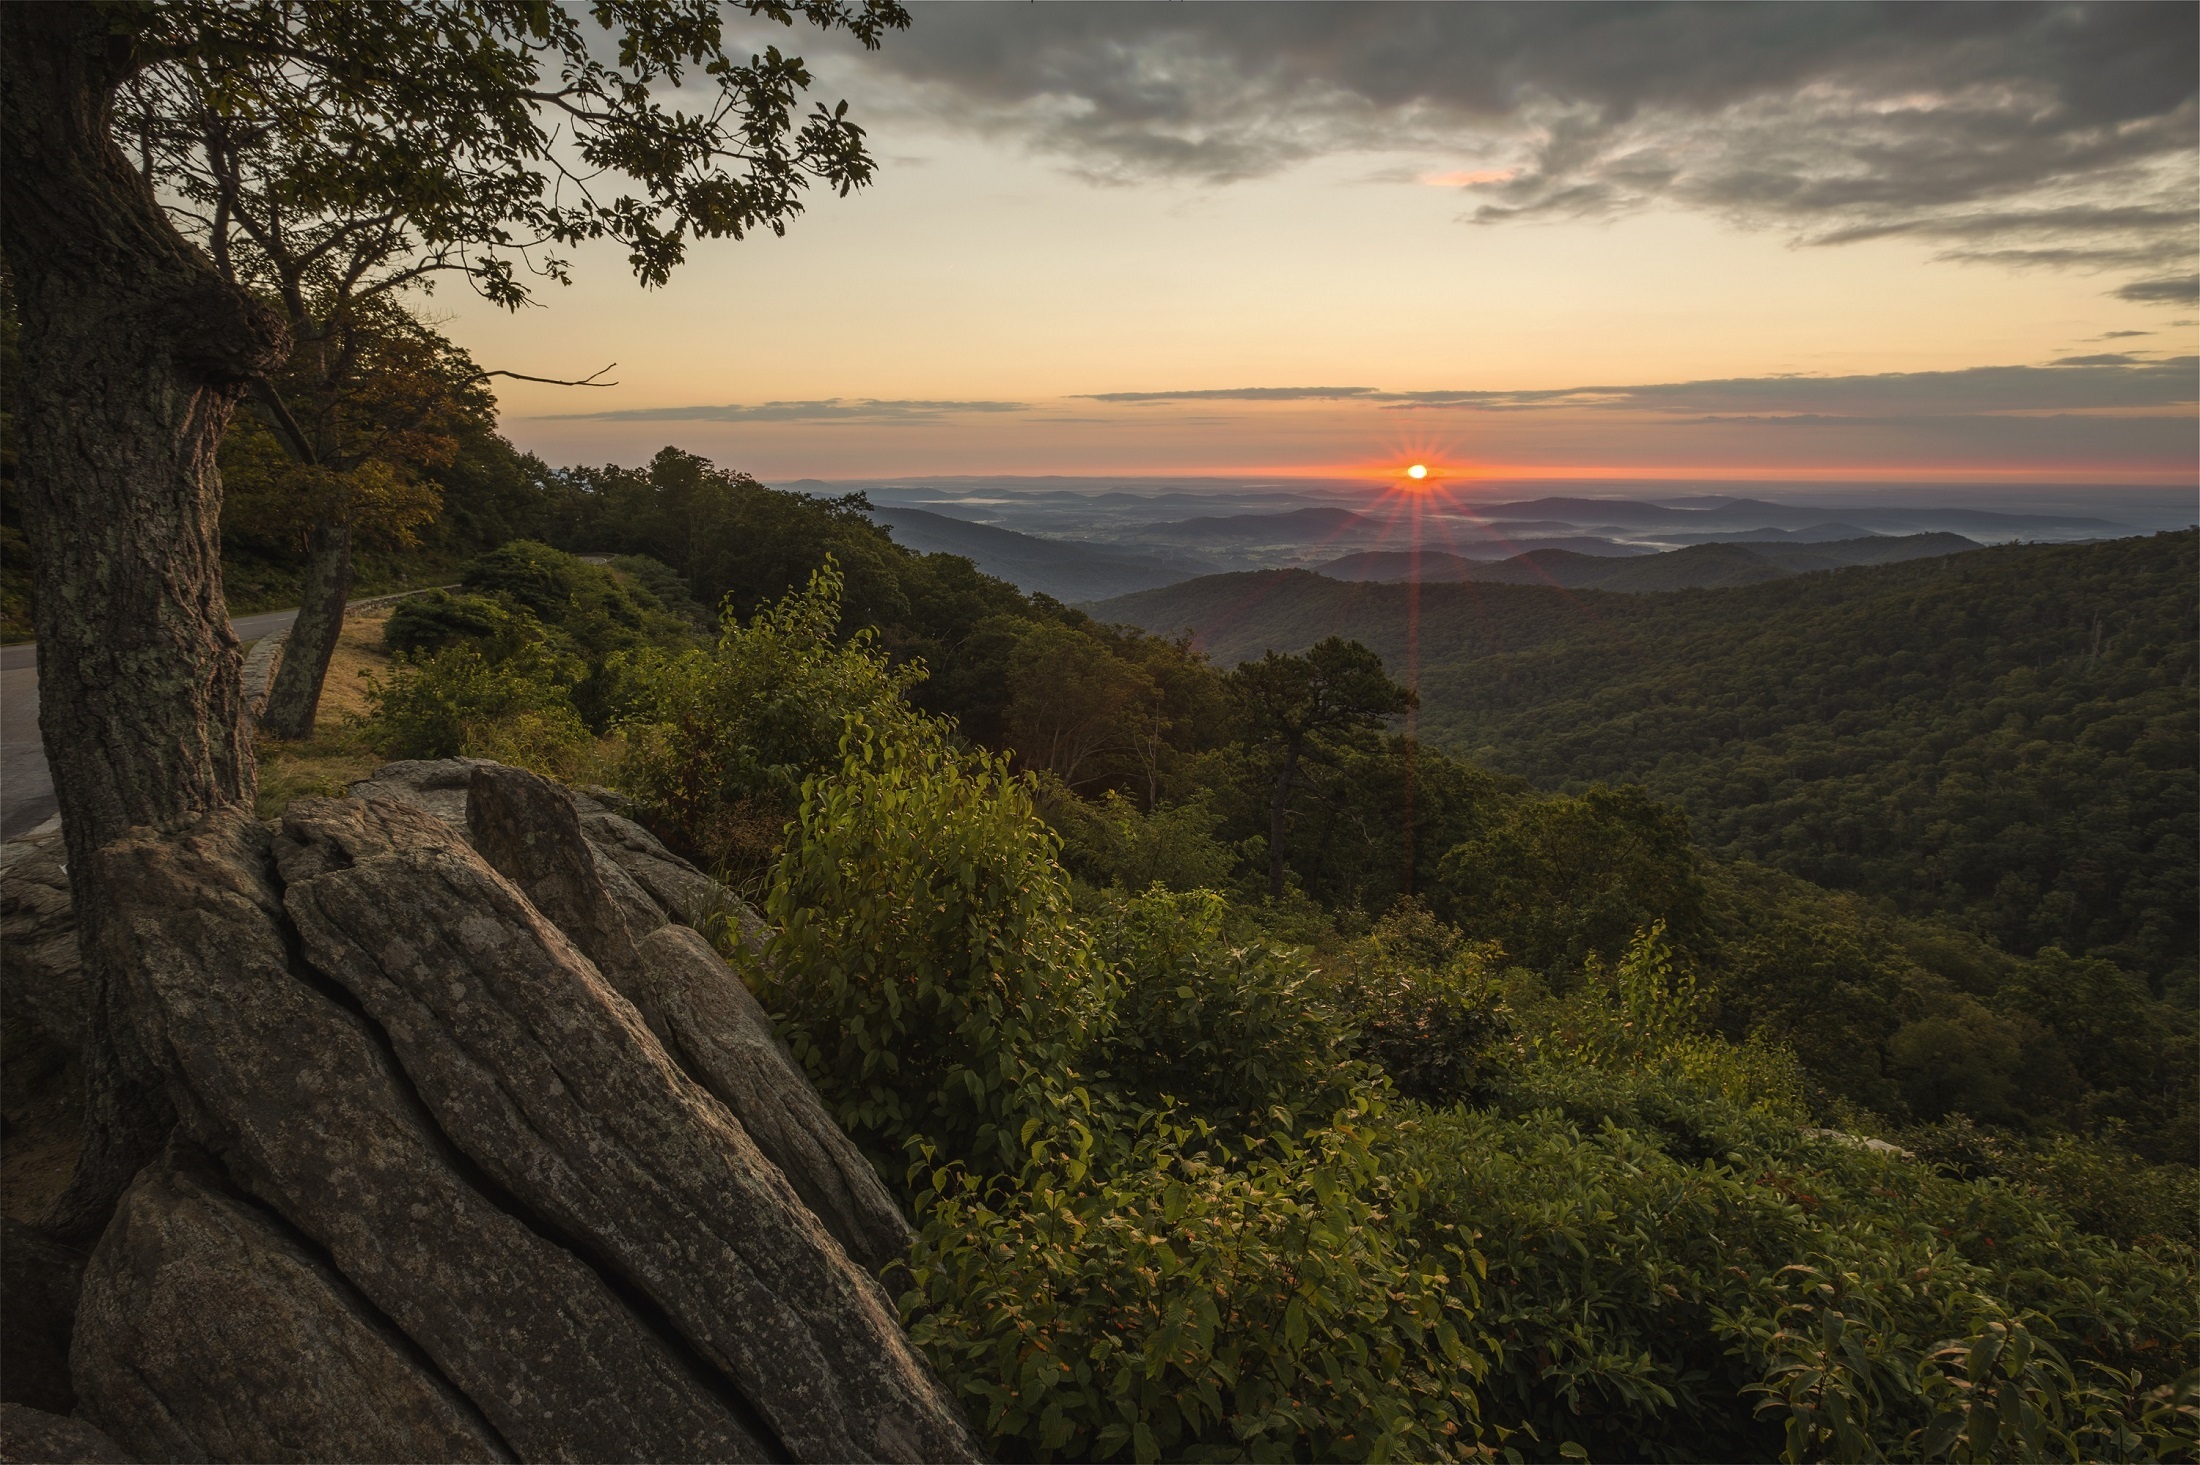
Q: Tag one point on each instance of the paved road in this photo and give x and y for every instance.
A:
(26, 789)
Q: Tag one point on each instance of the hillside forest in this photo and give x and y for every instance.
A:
(1722, 1024)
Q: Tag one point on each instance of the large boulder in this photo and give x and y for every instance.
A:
(680, 892)
(708, 1022)
(213, 1333)
(549, 1080)
(39, 1281)
(31, 1436)
(298, 1094)
(467, 1164)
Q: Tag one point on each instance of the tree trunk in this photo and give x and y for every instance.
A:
(1279, 810)
(133, 356)
(296, 695)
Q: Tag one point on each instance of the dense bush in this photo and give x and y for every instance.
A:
(923, 963)
(721, 738)
(1171, 1206)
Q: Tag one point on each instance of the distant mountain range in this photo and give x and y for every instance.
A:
(1064, 569)
(1630, 569)
(1084, 540)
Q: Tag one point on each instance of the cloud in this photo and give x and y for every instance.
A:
(856, 410)
(2168, 290)
(2104, 382)
(1236, 394)
(2041, 135)
(2092, 384)
(2119, 335)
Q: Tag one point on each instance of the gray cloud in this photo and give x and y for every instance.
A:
(833, 409)
(1236, 394)
(2168, 290)
(2058, 135)
(2104, 382)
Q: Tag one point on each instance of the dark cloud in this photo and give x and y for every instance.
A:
(833, 409)
(2021, 134)
(1236, 394)
(2119, 335)
(2114, 383)
(2168, 290)
(2075, 384)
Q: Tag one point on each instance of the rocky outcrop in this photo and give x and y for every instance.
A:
(39, 1437)
(211, 1333)
(549, 1080)
(45, 976)
(475, 1157)
(299, 1096)
(706, 1020)
(39, 1281)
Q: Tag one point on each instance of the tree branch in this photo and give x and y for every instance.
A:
(586, 381)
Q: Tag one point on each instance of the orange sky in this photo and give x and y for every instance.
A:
(1001, 284)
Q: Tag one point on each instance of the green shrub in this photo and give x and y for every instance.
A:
(720, 740)
(429, 623)
(1114, 842)
(924, 967)
(459, 703)
(1175, 1308)
(1431, 1007)
(1243, 1036)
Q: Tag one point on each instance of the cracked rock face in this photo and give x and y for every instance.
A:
(480, 1154)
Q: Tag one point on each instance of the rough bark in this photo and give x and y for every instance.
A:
(134, 353)
(296, 695)
(30, 1436)
(210, 1333)
(702, 1014)
(552, 1083)
(303, 1103)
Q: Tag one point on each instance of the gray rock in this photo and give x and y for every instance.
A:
(702, 1014)
(39, 1280)
(210, 1334)
(437, 785)
(679, 890)
(39, 1437)
(299, 1098)
(45, 975)
(549, 1080)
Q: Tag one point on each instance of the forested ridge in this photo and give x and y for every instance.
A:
(2005, 737)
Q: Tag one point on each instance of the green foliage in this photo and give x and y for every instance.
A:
(925, 968)
(2003, 737)
(1430, 1007)
(720, 740)
(1558, 881)
(1113, 842)
(1182, 1309)
(458, 702)
(424, 624)
(1242, 1035)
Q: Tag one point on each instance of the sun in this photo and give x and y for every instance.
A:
(1418, 470)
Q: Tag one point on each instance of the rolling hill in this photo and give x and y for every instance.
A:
(1584, 563)
(2006, 737)
(1064, 569)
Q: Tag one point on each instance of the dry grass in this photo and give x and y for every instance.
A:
(337, 753)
